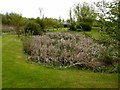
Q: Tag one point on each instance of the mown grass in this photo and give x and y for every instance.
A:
(18, 73)
(57, 30)
(94, 33)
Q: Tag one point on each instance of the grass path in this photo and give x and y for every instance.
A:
(17, 73)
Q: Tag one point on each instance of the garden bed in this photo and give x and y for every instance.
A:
(68, 50)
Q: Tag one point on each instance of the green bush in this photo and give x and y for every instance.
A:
(33, 28)
(109, 55)
(41, 23)
(72, 27)
(84, 26)
(78, 27)
(26, 39)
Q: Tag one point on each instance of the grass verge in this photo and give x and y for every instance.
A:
(0, 62)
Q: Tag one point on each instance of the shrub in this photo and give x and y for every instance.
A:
(33, 27)
(84, 26)
(105, 57)
(71, 50)
(64, 49)
(109, 55)
(72, 27)
(78, 27)
(26, 39)
(41, 23)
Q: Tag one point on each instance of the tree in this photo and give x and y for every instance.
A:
(110, 23)
(114, 17)
(83, 17)
(41, 23)
(102, 13)
(109, 14)
(33, 28)
(52, 23)
(16, 21)
(13, 19)
(85, 13)
(71, 21)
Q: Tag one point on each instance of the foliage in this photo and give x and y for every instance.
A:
(41, 24)
(18, 22)
(71, 21)
(15, 20)
(4, 19)
(33, 28)
(83, 26)
(109, 17)
(26, 39)
(72, 27)
(109, 23)
(84, 12)
(85, 16)
(52, 23)
(109, 55)
(68, 50)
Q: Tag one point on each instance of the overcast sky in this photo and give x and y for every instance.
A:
(30, 8)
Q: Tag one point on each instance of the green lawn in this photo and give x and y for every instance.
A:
(57, 30)
(18, 73)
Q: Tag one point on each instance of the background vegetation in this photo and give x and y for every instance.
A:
(99, 28)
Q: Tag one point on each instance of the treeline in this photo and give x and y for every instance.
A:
(102, 14)
(34, 25)
(82, 17)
